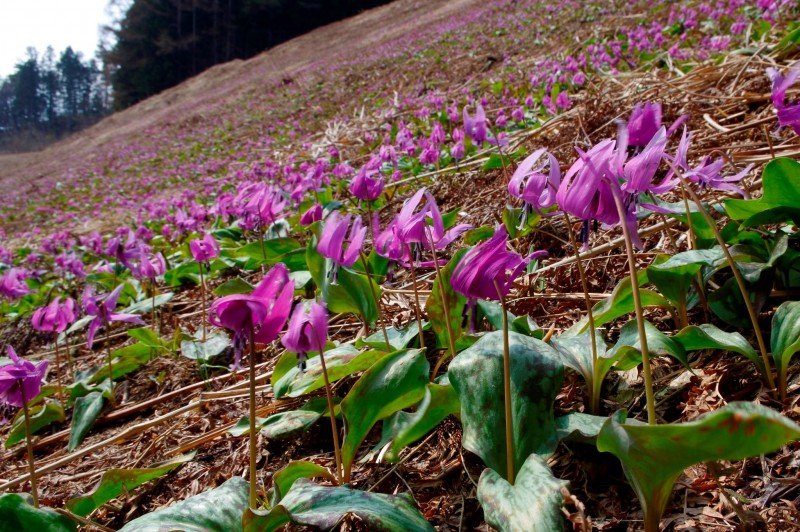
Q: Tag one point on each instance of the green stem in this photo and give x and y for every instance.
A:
(377, 303)
(637, 302)
(58, 371)
(253, 435)
(29, 442)
(742, 287)
(510, 469)
(341, 475)
(69, 356)
(594, 388)
(203, 299)
(450, 338)
(153, 306)
(416, 296)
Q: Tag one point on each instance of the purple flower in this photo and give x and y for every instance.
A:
(313, 214)
(640, 170)
(307, 331)
(529, 183)
(788, 115)
(20, 381)
(204, 249)
(585, 192)
(150, 268)
(261, 313)
(102, 308)
(475, 126)
(332, 242)
(488, 270)
(12, 283)
(425, 225)
(367, 185)
(55, 317)
(643, 123)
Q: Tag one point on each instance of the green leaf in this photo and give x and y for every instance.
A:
(146, 304)
(398, 339)
(41, 415)
(398, 380)
(727, 301)
(654, 456)
(284, 479)
(455, 303)
(273, 251)
(674, 277)
(17, 512)
(186, 273)
(119, 481)
(234, 286)
(438, 402)
(578, 426)
(146, 336)
(785, 338)
(576, 353)
(536, 375)
(219, 509)
(284, 424)
(214, 345)
(352, 291)
(474, 236)
(87, 410)
(532, 504)
(780, 201)
(627, 349)
(495, 161)
(493, 312)
(340, 362)
(323, 507)
(707, 336)
(620, 302)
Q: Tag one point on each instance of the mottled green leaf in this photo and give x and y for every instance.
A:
(41, 415)
(654, 456)
(398, 338)
(17, 513)
(284, 479)
(536, 375)
(780, 201)
(707, 336)
(87, 410)
(455, 303)
(115, 482)
(214, 345)
(216, 510)
(785, 338)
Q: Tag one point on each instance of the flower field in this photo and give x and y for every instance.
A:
(510, 265)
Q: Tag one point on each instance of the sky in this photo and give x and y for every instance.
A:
(43, 23)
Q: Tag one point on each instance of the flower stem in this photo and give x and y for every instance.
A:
(416, 296)
(742, 287)
(594, 391)
(253, 435)
(377, 303)
(510, 469)
(153, 305)
(29, 442)
(342, 476)
(203, 300)
(69, 356)
(637, 303)
(58, 371)
(450, 338)
(112, 399)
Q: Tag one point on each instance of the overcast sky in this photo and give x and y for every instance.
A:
(43, 23)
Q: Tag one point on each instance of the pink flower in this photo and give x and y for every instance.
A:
(12, 284)
(55, 317)
(204, 249)
(307, 331)
(261, 313)
(332, 242)
(20, 381)
(788, 115)
(102, 308)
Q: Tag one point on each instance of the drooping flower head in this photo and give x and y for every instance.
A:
(261, 313)
(204, 249)
(532, 185)
(475, 126)
(12, 283)
(332, 242)
(425, 227)
(643, 123)
(150, 267)
(313, 214)
(55, 317)
(788, 114)
(367, 185)
(102, 308)
(307, 331)
(21, 380)
(488, 270)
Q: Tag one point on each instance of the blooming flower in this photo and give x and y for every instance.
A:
(475, 126)
(529, 183)
(313, 214)
(307, 331)
(55, 317)
(332, 240)
(367, 185)
(488, 270)
(12, 283)
(204, 249)
(788, 115)
(21, 380)
(150, 268)
(102, 308)
(261, 313)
